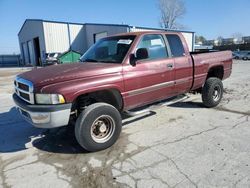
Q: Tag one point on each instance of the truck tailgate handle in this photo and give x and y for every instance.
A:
(170, 65)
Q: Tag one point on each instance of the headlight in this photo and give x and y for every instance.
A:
(49, 99)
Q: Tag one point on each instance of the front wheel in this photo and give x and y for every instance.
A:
(98, 127)
(212, 92)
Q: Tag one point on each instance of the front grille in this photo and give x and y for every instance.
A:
(25, 96)
(24, 89)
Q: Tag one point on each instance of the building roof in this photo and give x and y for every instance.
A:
(136, 33)
(101, 24)
(75, 23)
(162, 29)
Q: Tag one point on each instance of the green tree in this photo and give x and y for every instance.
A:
(200, 39)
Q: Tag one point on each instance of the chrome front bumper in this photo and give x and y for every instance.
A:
(44, 116)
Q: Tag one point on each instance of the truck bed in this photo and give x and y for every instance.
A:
(204, 62)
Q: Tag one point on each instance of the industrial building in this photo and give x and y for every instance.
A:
(40, 37)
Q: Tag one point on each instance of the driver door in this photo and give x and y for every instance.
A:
(151, 79)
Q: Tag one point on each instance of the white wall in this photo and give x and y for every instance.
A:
(187, 35)
(93, 29)
(60, 37)
(30, 30)
(32, 58)
(25, 53)
(100, 35)
(189, 39)
(136, 29)
(56, 37)
(77, 37)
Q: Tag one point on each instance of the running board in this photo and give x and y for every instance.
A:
(156, 106)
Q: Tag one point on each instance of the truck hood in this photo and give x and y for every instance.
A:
(65, 72)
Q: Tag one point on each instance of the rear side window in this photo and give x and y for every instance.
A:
(175, 45)
(155, 45)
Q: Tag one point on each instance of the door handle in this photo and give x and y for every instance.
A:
(170, 65)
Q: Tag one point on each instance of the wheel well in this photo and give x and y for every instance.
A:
(110, 96)
(217, 72)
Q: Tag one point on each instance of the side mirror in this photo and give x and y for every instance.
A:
(132, 60)
(141, 53)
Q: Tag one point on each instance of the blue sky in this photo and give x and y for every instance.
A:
(210, 18)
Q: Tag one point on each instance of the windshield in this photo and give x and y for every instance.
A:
(109, 50)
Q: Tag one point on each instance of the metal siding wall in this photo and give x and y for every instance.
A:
(56, 37)
(189, 39)
(187, 35)
(31, 30)
(94, 29)
(25, 53)
(77, 37)
(32, 58)
(9, 60)
(135, 29)
(101, 35)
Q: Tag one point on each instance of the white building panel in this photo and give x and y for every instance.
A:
(101, 35)
(32, 58)
(25, 53)
(56, 37)
(30, 30)
(38, 37)
(136, 29)
(77, 37)
(74, 31)
(189, 39)
(187, 35)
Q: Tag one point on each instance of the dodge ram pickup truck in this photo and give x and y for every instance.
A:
(120, 73)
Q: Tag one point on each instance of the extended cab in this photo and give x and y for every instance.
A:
(118, 74)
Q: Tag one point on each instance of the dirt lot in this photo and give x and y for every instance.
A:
(184, 145)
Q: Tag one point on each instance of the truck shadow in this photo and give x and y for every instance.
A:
(15, 132)
(188, 104)
(62, 140)
(59, 140)
(18, 135)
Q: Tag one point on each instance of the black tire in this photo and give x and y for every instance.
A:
(88, 127)
(237, 57)
(212, 92)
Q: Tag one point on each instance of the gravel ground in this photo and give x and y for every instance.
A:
(183, 145)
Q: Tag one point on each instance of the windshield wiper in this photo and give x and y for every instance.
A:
(88, 60)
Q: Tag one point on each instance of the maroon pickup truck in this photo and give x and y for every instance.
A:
(118, 74)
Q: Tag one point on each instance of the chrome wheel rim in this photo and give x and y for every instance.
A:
(216, 93)
(102, 128)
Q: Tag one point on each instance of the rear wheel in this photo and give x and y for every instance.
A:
(212, 92)
(98, 127)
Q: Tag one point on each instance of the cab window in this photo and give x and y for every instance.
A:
(155, 45)
(176, 45)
